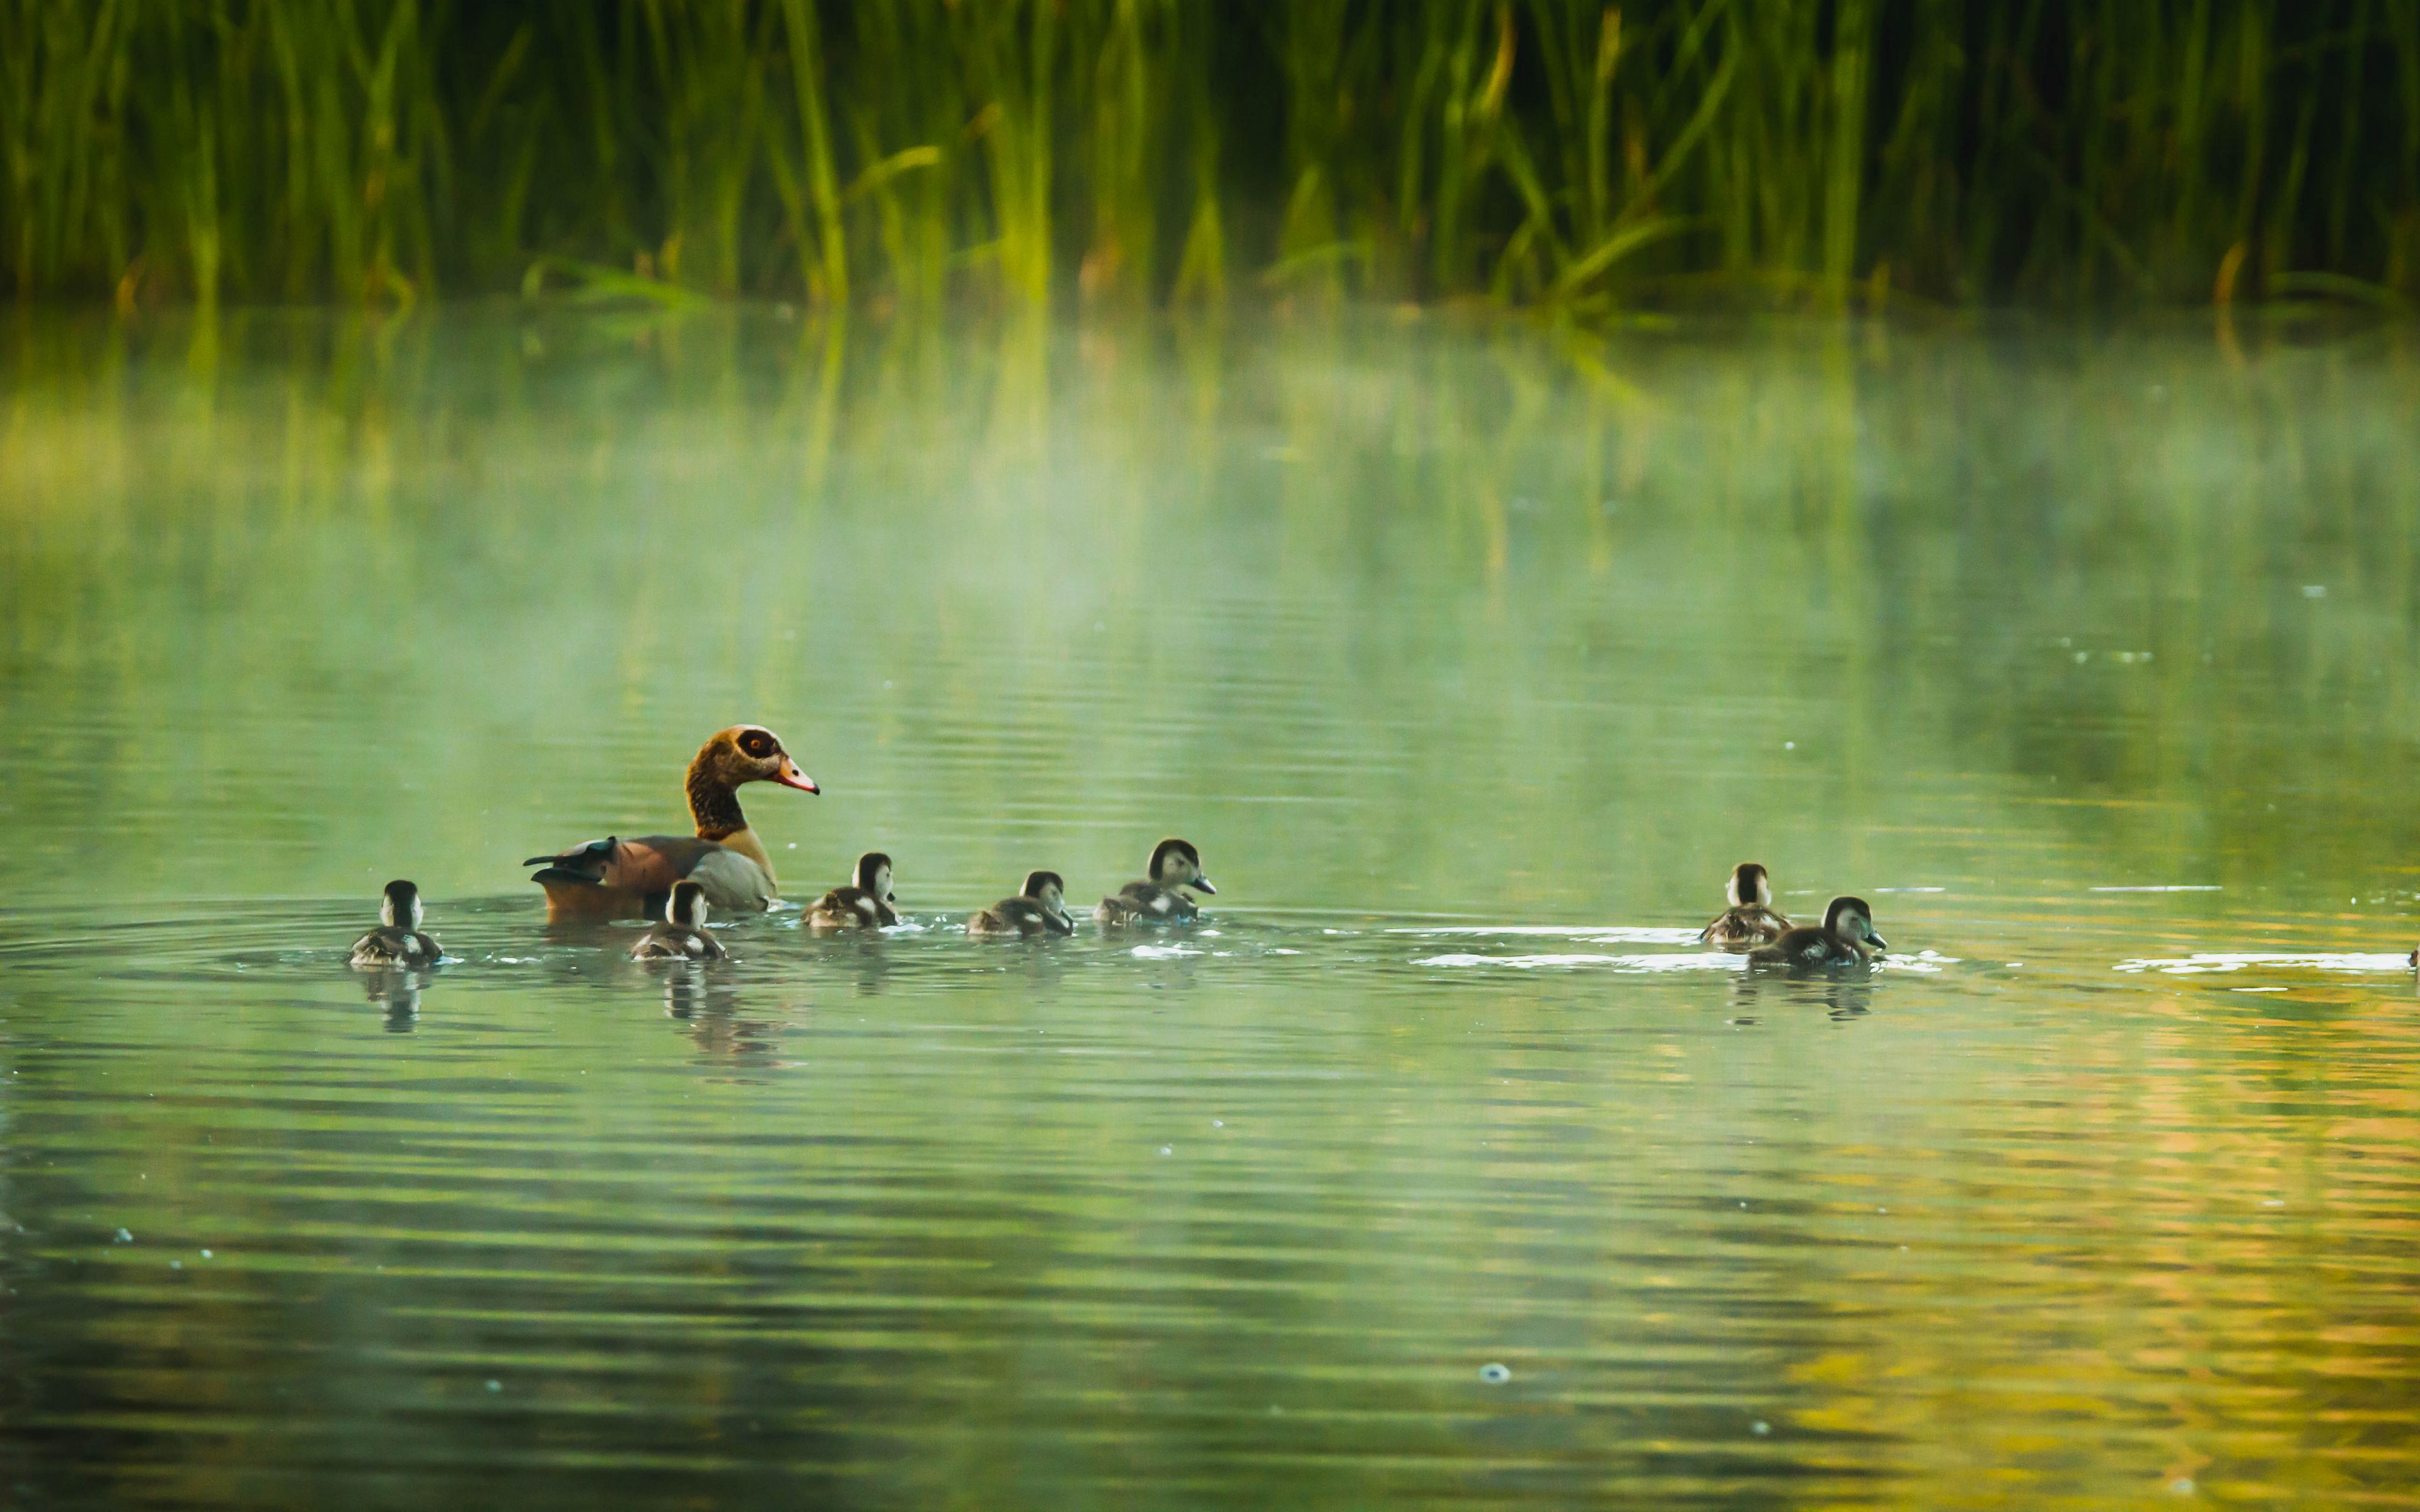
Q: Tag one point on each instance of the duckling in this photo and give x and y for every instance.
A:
(682, 936)
(869, 904)
(1040, 909)
(398, 941)
(1847, 938)
(1750, 919)
(1167, 897)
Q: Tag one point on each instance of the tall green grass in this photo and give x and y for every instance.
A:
(1559, 152)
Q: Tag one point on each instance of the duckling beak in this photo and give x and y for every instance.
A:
(790, 777)
(1203, 885)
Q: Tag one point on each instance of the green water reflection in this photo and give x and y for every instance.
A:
(1430, 635)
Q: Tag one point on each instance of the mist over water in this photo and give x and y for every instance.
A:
(1472, 656)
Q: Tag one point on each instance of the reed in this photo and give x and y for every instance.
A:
(1568, 154)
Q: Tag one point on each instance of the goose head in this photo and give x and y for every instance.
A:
(748, 753)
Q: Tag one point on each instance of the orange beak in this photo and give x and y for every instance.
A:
(790, 777)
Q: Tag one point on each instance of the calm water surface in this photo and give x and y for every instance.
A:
(1472, 657)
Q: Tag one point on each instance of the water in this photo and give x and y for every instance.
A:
(1472, 657)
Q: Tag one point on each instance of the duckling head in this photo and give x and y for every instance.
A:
(400, 908)
(1851, 920)
(873, 875)
(687, 905)
(1047, 888)
(748, 753)
(1749, 888)
(1175, 863)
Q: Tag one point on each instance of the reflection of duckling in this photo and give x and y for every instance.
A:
(1845, 995)
(398, 993)
(1847, 938)
(708, 1008)
(397, 940)
(1040, 909)
(867, 905)
(689, 990)
(1750, 919)
(1167, 898)
(682, 936)
(1849, 995)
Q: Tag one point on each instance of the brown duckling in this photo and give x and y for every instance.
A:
(1847, 938)
(1750, 919)
(397, 941)
(615, 878)
(1167, 896)
(682, 934)
(1040, 909)
(869, 904)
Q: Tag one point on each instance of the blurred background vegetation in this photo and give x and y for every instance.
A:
(907, 152)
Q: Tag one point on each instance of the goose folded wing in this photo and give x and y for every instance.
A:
(648, 864)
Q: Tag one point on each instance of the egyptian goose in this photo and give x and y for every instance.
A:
(682, 934)
(1040, 909)
(615, 878)
(1846, 939)
(869, 904)
(398, 941)
(1750, 919)
(1167, 897)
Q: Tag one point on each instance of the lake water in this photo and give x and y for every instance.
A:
(1472, 656)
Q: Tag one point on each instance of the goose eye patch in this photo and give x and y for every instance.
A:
(757, 743)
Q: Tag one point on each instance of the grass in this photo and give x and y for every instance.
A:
(1579, 156)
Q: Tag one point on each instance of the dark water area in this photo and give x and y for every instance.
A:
(1472, 656)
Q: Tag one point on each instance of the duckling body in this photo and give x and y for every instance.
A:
(868, 904)
(388, 949)
(397, 943)
(681, 935)
(1846, 939)
(1166, 895)
(1040, 909)
(1749, 921)
(677, 942)
(617, 878)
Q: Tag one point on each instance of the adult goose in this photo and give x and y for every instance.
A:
(617, 878)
